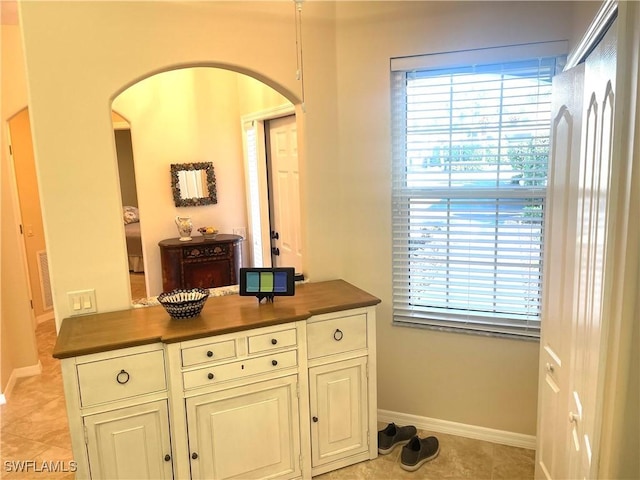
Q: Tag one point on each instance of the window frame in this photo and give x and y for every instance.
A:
(404, 313)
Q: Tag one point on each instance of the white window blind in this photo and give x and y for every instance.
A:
(470, 147)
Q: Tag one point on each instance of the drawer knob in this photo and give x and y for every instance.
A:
(167, 457)
(274, 362)
(315, 419)
(274, 341)
(210, 376)
(209, 353)
(194, 455)
(123, 377)
(338, 335)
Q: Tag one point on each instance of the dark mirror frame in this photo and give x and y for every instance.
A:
(211, 184)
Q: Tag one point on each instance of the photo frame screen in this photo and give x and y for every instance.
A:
(267, 281)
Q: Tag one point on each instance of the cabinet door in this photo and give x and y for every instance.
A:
(209, 274)
(130, 443)
(339, 405)
(246, 432)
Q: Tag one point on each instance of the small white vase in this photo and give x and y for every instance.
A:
(184, 228)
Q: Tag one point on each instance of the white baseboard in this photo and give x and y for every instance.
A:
(45, 316)
(19, 373)
(460, 429)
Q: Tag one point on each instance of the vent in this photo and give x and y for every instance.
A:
(45, 282)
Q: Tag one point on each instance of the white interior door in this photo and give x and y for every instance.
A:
(285, 193)
(559, 263)
(594, 232)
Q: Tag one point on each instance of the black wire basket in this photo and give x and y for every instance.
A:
(181, 303)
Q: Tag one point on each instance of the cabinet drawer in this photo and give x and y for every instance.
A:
(272, 341)
(236, 370)
(336, 335)
(122, 377)
(208, 353)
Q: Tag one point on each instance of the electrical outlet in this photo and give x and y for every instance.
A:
(82, 302)
(242, 231)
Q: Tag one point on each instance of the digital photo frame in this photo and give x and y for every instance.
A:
(267, 283)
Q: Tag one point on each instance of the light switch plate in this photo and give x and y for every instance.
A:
(82, 302)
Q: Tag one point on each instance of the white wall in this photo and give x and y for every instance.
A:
(477, 380)
(17, 347)
(76, 64)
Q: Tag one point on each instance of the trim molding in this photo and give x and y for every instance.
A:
(21, 372)
(598, 27)
(45, 317)
(435, 425)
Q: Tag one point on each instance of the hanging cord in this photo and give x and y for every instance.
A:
(299, 55)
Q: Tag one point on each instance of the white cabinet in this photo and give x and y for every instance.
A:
(246, 432)
(342, 396)
(338, 405)
(118, 413)
(239, 395)
(285, 401)
(131, 442)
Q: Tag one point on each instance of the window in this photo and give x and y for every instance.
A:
(470, 148)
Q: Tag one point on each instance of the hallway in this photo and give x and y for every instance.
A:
(34, 423)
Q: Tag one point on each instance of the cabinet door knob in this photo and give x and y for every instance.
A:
(123, 377)
(274, 362)
(274, 341)
(167, 457)
(209, 353)
(194, 455)
(210, 376)
(315, 419)
(338, 335)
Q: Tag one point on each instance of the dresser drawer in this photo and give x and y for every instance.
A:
(336, 335)
(121, 377)
(208, 353)
(272, 341)
(240, 369)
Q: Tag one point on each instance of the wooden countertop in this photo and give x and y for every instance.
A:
(101, 332)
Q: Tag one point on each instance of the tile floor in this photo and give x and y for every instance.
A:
(34, 427)
(34, 420)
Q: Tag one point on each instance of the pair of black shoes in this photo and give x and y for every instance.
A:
(415, 451)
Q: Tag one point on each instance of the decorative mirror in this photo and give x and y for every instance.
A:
(193, 184)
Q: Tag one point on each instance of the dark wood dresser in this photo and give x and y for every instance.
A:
(200, 262)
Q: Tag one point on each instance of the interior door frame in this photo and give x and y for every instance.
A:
(260, 242)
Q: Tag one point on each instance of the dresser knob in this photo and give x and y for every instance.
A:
(210, 376)
(194, 455)
(274, 362)
(167, 457)
(209, 353)
(274, 341)
(123, 377)
(337, 335)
